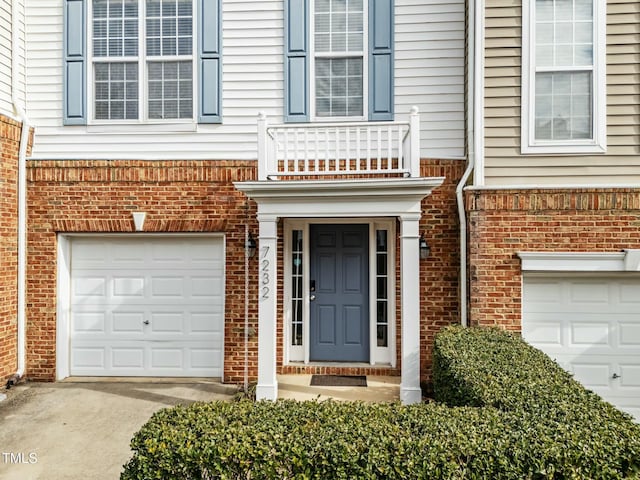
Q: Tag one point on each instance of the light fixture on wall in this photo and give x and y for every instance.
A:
(251, 246)
(425, 250)
(138, 220)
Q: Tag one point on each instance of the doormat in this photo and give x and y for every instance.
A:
(338, 381)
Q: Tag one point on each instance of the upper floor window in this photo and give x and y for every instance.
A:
(152, 66)
(338, 57)
(563, 84)
(338, 60)
(142, 60)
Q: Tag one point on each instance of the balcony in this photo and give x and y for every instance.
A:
(316, 151)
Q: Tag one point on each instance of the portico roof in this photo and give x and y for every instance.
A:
(340, 198)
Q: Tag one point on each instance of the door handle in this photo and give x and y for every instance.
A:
(615, 375)
(312, 297)
(146, 322)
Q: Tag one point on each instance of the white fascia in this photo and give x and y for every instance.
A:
(625, 261)
(390, 197)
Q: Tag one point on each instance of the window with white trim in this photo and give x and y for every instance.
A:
(142, 57)
(339, 58)
(563, 83)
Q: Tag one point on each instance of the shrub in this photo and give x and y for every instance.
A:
(514, 414)
(568, 428)
(323, 440)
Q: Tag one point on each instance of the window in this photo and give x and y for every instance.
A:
(563, 97)
(382, 288)
(160, 54)
(142, 60)
(338, 60)
(297, 293)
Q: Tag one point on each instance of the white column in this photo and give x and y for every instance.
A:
(410, 391)
(263, 152)
(414, 138)
(267, 388)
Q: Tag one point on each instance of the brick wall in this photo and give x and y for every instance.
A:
(504, 222)
(199, 196)
(99, 196)
(439, 305)
(10, 131)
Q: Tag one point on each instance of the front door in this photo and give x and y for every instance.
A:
(339, 284)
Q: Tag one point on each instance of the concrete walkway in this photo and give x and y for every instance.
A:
(378, 389)
(81, 429)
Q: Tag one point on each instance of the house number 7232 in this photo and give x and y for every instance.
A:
(265, 274)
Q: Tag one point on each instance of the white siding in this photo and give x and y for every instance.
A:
(429, 74)
(5, 56)
(429, 64)
(6, 106)
(504, 164)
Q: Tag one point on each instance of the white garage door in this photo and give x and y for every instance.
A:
(147, 306)
(590, 326)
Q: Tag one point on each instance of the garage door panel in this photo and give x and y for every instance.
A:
(630, 376)
(128, 286)
(583, 292)
(85, 286)
(163, 357)
(127, 322)
(630, 293)
(206, 323)
(203, 357)
(540, 292)
(167, 287)
(90, 254)
(206, 287)
(592, 375)
(126, 253)
(127, 358)
(543, 333)
(89, 322)
(590, 334)
(167, 323)
(87, 357)
(148, 308)
(629, 334)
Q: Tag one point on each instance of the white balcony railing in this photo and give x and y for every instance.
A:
(339, 148)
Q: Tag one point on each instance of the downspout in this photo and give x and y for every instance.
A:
(22, 194)
(474, 137)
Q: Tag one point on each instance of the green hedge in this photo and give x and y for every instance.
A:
(493, 436)
(569, 428)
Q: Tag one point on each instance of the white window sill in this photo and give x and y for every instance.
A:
(563, 149)
(137, 128)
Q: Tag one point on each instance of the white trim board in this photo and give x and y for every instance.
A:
(625, 261)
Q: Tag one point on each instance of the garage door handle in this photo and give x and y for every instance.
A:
(615, 375)
(146, 322)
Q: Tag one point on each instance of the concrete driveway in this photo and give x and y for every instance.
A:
(81, 430)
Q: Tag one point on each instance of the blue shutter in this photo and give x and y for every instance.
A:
(74, 75)
(209, 61)
(296, 61)
(380, 59)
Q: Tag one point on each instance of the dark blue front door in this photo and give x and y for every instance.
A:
(339, 276)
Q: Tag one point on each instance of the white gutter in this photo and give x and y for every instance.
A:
(558, 186)
(475, 132)
(22, 192)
